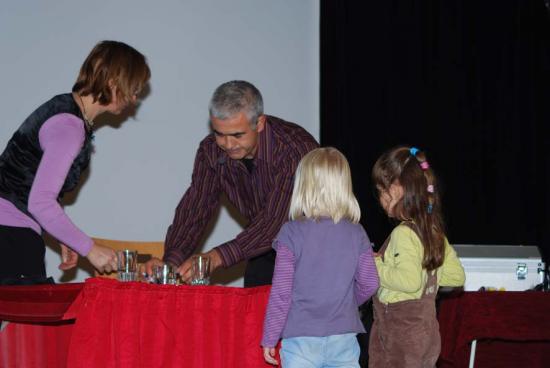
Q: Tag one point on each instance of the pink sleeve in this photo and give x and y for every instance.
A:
(280, 297)
(61, 138)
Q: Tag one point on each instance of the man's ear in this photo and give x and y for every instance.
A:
(260, 125)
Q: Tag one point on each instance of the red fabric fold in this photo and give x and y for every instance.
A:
(37, 303)
(143, 325)
(512, 329)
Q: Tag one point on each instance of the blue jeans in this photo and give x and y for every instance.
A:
(320, 352)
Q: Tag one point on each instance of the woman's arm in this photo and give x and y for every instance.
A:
(61, 138)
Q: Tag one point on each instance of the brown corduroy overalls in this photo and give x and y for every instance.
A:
(406, 334)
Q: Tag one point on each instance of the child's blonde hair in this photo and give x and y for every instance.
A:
(323, 188)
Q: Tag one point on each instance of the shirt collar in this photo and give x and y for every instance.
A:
(265, 143)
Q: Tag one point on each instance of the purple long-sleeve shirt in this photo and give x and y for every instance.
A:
(61, 138)
(323, 272)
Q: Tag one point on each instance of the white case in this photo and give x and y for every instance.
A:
(502, 267)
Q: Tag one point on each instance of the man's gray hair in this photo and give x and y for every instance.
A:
(237, 96)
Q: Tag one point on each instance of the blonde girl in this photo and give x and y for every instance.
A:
(323, 271)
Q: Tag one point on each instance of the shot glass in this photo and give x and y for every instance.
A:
(165, 275)
(200, 270)
(127, 265)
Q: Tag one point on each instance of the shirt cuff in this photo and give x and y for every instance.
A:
(173, 257)
(86, 247)
(231, 253)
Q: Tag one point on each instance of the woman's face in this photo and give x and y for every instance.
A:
(390, 197)
(119, 104)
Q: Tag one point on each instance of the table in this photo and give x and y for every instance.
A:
(132, 324)
(136, 324)
(141, 325)
(36, 336)
(512, 329)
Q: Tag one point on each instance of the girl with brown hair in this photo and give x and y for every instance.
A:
(412, 263)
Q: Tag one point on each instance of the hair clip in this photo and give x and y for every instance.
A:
(430, 188)
(424, 165)
(413, 151)
(430, 208)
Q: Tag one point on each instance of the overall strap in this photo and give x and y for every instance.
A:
(382, 249)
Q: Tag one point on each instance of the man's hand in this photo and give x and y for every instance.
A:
(150, 264)
(69, 258)
(185, 268)
(269, 356)
(102, 258)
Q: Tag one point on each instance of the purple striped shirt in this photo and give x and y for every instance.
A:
(366, 283)
(262, 196)
(323, 272)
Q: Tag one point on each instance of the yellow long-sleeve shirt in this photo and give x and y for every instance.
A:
(401, 274)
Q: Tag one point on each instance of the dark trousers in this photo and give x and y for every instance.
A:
(363, 338)
(259, 270)
(22, 253)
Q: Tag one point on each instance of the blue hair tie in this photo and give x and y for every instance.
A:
(413, 151)
(430, 208)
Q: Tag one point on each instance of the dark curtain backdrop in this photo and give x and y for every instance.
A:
(468, 82)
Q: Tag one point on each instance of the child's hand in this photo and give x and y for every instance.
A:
(269, 354)
(376, 254)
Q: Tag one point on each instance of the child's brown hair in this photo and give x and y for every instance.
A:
(421, 204)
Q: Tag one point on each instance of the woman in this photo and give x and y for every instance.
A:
(46, 157)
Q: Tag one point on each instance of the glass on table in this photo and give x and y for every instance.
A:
(165, 275)
(200, 270)
(127, 265)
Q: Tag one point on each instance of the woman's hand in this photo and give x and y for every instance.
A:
(69, 258)
(102, 258)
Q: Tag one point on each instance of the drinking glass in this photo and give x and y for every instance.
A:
(127, 265)
(200, 270)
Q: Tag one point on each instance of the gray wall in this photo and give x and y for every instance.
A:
(141, 167)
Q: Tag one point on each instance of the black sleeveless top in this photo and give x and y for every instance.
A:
(19, 161)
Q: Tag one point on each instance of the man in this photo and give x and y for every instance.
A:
(251, 157)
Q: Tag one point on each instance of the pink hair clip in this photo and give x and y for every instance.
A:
(430, 188)
(424, 165)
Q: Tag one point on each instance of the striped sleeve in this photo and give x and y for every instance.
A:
(198, 205)
(366, 278)
(256, 239)
(279, 298)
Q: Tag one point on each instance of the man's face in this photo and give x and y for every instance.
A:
(236, 137)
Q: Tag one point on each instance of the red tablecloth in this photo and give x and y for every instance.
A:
(512, 329)
(44, 342)
(131, 325)
(142, 325)
(37, 303)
